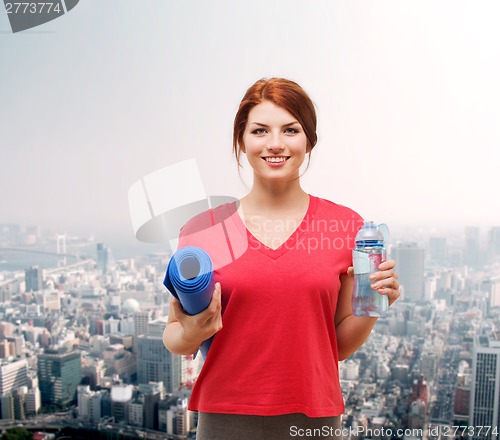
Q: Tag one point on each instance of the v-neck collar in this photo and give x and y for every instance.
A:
(289, 243)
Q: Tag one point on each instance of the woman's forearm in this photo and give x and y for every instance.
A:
(175, 341)
(352, 332)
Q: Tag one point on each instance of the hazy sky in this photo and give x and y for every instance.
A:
(407, 95)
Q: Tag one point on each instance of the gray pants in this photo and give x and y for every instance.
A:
(213, 426)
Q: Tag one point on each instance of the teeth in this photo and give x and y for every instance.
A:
(275, 159)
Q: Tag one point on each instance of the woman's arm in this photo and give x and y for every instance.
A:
(353, 331)
(185, 333)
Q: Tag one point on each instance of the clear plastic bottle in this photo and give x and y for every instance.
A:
(367, 255)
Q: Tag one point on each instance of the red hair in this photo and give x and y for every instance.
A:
(283, 93)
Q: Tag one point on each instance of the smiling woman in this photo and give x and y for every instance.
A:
(281, 313)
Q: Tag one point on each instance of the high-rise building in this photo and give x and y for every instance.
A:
(7, 407)
(59, 374)
(89, 403)
(494, 241)
(102, 257)
(141, 321)
(121, 395)
(492, 288)
(155, 363)
(12, 376)
(19, 403)
(136, 412)
(410, 258)
(438, 250)
(33, 401)
(485, 387)
(151, 401)
(472, 246)
(179, 419)
(33, 277)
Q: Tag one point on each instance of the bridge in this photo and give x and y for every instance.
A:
(37, 251)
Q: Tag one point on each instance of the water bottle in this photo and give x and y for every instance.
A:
(367, 255)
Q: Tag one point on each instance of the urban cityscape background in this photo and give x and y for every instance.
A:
(81, 343)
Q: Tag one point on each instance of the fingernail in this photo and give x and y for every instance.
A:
(372, 276)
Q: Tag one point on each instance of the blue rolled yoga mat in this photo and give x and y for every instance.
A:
(189, 279)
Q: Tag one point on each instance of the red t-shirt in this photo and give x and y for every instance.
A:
(277, 351)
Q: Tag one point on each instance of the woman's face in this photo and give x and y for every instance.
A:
(274, 142)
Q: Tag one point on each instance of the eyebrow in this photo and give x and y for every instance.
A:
(267, 126)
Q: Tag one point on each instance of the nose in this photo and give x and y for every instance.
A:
(276, 144)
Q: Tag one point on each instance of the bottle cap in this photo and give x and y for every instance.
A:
(370, 232)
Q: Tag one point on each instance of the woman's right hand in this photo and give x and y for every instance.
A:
(197, 328)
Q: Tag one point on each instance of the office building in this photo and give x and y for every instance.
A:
(150, 405)
(89, 403)
(492, 288)
(33, 401)
(59, 375)
(410, 258)
(136, 412)
(141, 321)
(494, 242)
(13, 375)
(438, 250)
(33, 277)
(179, 419)
(122, 362)
(102, 257)
(121, 395)
(472, 246)
(7, 407)
(155, 363)
(485, 386)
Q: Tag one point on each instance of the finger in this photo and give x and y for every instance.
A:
(219, 294)
(386, 265)
(390, 283)
(214, 323)
(383, 275)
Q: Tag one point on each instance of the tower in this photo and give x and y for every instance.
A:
(33, 277)
(102, 257)
(485, 390)
(472, 251)
(410, 258)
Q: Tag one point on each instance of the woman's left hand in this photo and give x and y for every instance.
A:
(385, 281)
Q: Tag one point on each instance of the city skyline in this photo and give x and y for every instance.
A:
(406, 92)
(103, 320)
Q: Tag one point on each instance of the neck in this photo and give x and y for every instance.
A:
(276, 195)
